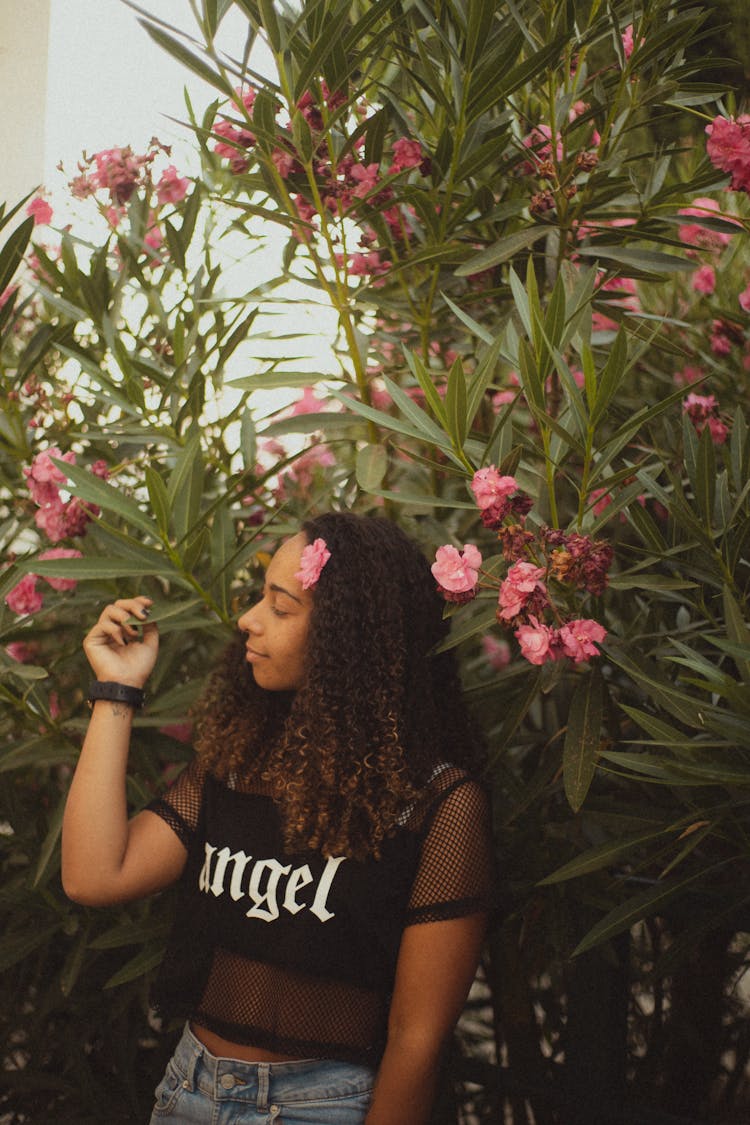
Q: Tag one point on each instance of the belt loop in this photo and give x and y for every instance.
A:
(264, 1084)
(196, 1052)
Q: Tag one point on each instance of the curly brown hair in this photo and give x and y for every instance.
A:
(377, 709)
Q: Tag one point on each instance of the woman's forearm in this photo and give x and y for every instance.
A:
(95, 824)
(405, 1085)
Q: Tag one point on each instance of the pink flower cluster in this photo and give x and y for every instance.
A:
(25, 598)
(536, 558)
(703, 411)
(341, 184)
(728, 148)
(41, 211)
(58, 518)
(498, 496)
(118, 173)
(457, 572)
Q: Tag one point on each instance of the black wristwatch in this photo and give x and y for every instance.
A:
(116, 693)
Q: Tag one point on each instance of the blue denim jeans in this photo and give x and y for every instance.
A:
(200, 1089)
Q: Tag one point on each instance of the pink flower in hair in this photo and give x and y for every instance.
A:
(313, 559)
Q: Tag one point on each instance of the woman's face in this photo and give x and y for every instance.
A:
(277, 625)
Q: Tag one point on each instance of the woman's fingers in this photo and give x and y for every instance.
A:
(115, 628)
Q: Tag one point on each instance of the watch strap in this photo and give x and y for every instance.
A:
(116, 693)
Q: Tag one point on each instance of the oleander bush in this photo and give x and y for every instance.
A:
(530, 223)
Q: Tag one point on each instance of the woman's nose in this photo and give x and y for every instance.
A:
(249, 622)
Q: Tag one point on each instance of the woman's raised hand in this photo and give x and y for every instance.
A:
(114, 648)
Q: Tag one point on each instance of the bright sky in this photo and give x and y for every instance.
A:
(110, 85)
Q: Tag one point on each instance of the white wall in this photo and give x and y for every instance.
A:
(24, 35)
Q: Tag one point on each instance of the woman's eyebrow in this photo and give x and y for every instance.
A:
(280, 590)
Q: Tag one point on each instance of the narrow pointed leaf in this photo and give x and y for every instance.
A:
(582, 738)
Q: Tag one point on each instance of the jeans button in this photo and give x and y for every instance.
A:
(227, 1081)
(274, 1108)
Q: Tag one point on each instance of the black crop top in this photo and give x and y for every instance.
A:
(297, 953)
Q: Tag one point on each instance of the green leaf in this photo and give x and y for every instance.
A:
(647, 261)
(157, 492)
(193, 62)
(96, 568)
(49, 848)
(137, 967)
(455, 404)
(423, 377)
(97, 491)
(372, 463)
(185, 486)
(738, 630)
(601, 856)
(13, 251)
(501, 251)
(19, 946)
(582, 738)
(641, 906)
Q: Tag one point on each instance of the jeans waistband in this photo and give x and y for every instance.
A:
(264, 1083)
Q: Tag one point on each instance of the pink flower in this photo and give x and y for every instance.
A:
(24, 598)
(118, 170)
(313, 559)
(688, 374)
(497, 652)
(744, 299)
(61, 553)
(579, 639)
(536, 641)
(457, 572)
(51, 519)
(489, 487)
(696, 235)
(44, 477)
(720, 343)
(522, 582)
(406, 154)
(718, 430)
(366, 178)
(728, 148)
(41, 211)
(308, 403)
(601, 498)
(283, 161)
(171, 188)
(704, 280)
(627, 41)
(154, 239)
(20, 651)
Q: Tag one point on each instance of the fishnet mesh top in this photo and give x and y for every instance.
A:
(297, 953)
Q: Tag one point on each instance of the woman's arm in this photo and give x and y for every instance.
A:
(436, 966)
(105, 857)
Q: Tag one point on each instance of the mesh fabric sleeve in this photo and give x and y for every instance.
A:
(455, 868)
(180, 805)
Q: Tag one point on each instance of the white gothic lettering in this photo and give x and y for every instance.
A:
(268, 884)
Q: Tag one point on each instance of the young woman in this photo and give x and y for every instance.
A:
(332, 847)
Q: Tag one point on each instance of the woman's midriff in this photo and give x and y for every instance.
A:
(226, 1049)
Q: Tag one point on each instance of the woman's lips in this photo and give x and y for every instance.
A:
(252, 655)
